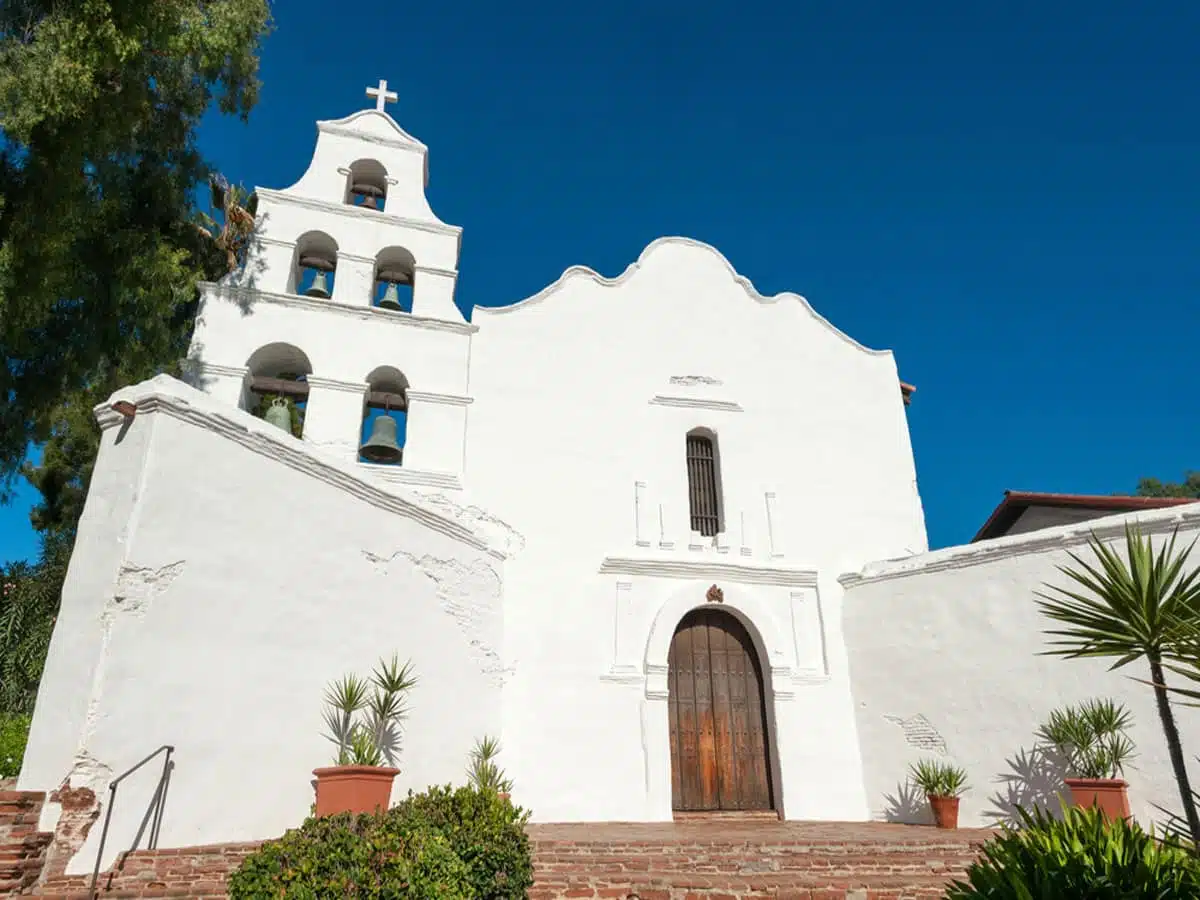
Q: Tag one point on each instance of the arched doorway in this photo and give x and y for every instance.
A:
(718, 716)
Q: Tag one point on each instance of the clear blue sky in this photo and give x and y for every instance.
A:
(1006, 195)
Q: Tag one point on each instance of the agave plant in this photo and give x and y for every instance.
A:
(237, 208)
(364, 717)
(483, 771)
(1091, 738)
(1127, 609)
(938, 779)
(1085, 854)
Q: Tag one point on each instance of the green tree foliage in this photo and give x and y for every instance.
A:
(14, 732)
(29, 598)
(99, 246)
(1189, 487)
(1083, 855)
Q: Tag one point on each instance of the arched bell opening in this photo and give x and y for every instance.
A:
(367, 184)
(277, 386)
(395, 269)
(316, 262)
(385, 418)
(720, 731)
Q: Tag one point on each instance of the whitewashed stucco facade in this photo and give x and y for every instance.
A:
(533, 555)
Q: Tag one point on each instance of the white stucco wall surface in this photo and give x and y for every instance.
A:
(225, 575)
(945, 663)
(582, 399)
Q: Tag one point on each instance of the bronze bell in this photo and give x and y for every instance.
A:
(320, 285)
(381, 446)
(391, 297)
(369, 192)
(279, 415)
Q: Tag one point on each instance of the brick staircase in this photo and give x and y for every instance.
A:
(732, 860)
(22, 847)
(703, 859)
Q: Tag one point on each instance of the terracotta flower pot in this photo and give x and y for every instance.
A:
(1110, 794)
(945, 811)
(353, 789)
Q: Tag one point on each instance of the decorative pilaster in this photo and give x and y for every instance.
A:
(334, 415)
(808, 634)
(433, 294)
(642, 520)
(437, 428)
(226, 384)
(354, 281)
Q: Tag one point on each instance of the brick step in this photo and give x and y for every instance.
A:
(681, 886)
(858, 865)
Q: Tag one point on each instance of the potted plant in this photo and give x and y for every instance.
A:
(1092, 741)
(943, 784)
(483, 772)
(364, 718)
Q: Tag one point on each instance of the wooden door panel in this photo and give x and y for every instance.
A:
(718, 733)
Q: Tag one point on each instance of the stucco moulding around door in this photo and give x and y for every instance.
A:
(793, 634)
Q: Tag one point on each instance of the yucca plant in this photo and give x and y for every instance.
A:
(1091, 738)
(483, 771)
(1084, 855)
(938, 779)
(364, 717)
(1131, 608)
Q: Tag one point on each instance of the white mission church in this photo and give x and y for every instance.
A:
(697, 580)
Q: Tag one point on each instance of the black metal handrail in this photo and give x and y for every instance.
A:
(153, 812)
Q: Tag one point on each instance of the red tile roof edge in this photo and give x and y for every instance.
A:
(1016, 502)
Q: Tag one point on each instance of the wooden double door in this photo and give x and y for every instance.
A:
(718, 716)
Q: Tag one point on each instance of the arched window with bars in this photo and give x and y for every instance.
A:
(704, 483)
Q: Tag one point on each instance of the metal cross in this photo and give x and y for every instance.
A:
(382, 95)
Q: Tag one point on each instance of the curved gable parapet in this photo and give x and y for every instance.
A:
(584, 272)
(373, 126)
(374, 137)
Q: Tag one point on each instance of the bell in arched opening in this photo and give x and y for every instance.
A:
(371, 194)
(279, 415)
(320, 265)
(381, 446)
(391, 295)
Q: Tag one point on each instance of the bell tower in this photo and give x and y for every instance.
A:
(345, 312)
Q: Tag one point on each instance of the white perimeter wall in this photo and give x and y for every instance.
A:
(944, 655)
(583, 396)
(222, 578)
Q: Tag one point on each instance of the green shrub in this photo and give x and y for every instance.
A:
(445, 844)
(1084, 855)
(14, 732)
(486, 831)
(364, 856)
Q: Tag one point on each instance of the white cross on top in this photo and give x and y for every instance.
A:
(382, 95)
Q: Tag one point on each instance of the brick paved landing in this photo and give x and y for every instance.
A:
(734, 860)
(731, 859)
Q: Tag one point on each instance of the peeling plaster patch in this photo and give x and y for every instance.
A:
(471, 596)
(70, 812)
(496, 531)
(138, 585)
(920, 733)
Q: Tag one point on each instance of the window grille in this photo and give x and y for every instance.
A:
(703, 496)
